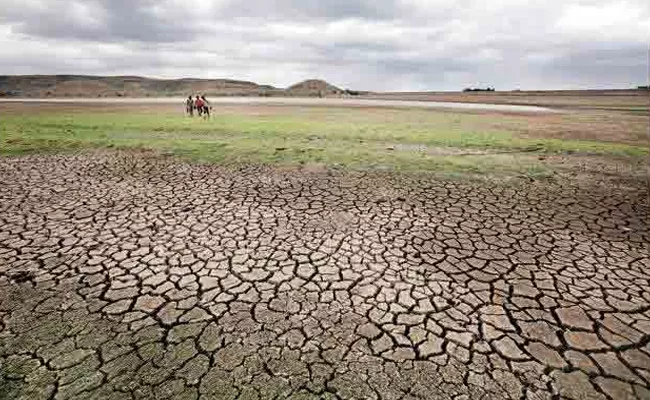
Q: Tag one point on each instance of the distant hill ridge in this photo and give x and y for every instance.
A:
(40, 86)
(314, 86)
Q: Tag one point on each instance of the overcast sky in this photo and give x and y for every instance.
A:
(359, 44)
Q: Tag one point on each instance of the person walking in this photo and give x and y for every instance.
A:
(206, 107)
(198, 104)
(189, 106)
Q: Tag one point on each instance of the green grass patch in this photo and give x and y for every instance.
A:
(353, 138)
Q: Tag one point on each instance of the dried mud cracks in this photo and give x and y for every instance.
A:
(126, 276)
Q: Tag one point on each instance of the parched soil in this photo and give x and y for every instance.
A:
(133, 276)
(570, 99)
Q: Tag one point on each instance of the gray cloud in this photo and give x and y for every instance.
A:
(96, 20)
(309, 9)
(364, 44)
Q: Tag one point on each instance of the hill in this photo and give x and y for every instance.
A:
(313, 87)
(126, 86)
(42, 86)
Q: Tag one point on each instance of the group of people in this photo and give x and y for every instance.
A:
(201, 105)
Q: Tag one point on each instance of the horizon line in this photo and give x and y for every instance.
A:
(638, 87)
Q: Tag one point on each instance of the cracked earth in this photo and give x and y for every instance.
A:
(131, 276)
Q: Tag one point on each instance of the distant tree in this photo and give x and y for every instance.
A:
(488, 89)
(643, 87)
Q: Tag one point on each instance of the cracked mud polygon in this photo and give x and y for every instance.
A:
(125, 275)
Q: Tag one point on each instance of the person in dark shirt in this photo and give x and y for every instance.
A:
(206, 107)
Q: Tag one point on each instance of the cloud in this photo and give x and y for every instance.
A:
(363, 44)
